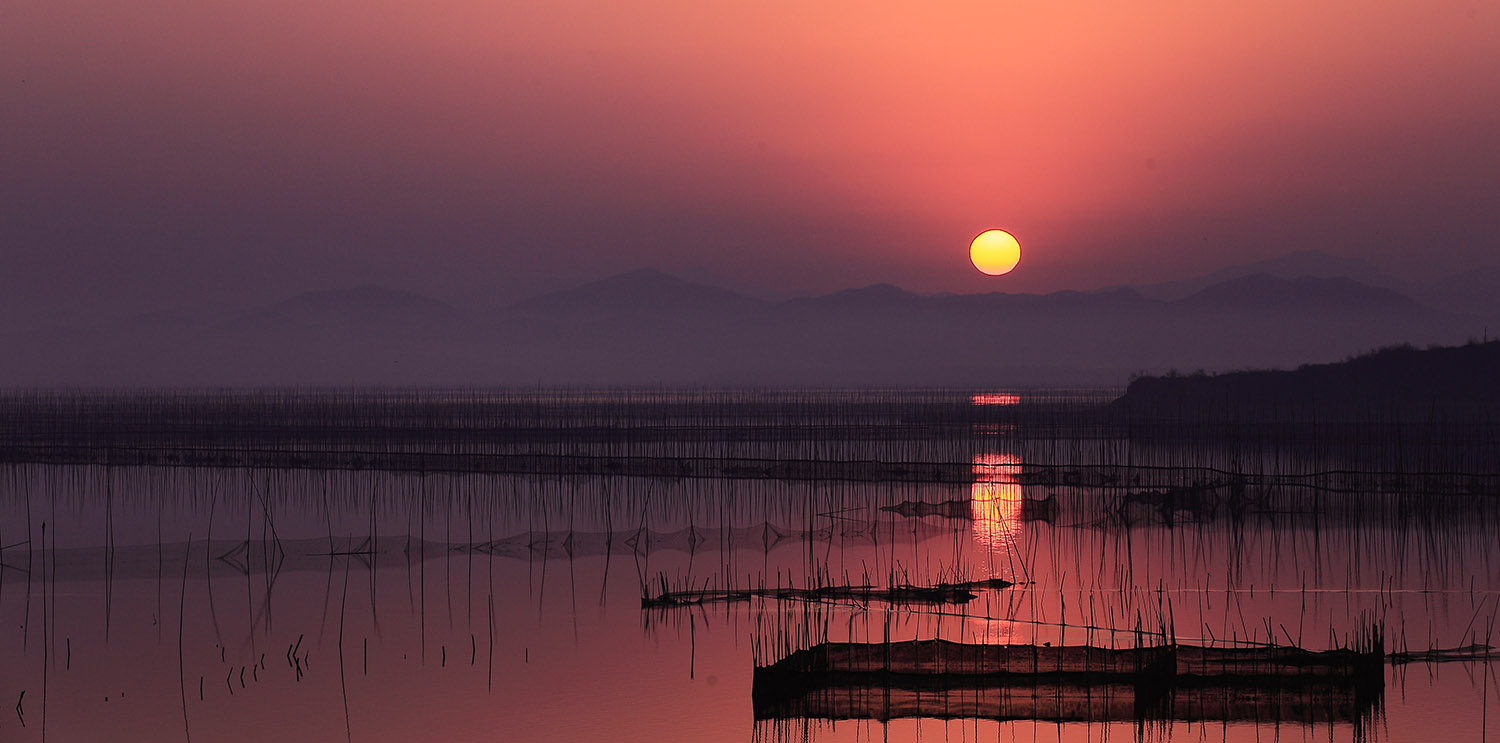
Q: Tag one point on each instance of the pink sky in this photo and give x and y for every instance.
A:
(243, 150)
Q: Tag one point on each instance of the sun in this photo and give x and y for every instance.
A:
(995, 252)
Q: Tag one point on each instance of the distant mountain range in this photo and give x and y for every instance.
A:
(1294, 265)
(1475, 291)
(649, 328)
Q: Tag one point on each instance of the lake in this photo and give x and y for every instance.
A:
(571, 565)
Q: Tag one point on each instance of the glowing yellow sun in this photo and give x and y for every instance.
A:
(995, 252)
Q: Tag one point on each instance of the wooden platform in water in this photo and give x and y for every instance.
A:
(938, 678)
(940, 593)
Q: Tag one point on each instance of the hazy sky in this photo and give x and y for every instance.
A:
(163, 152)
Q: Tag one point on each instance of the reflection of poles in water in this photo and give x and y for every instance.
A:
(161, 508)
(109, 549)
(469, 562)
(26, 625)
(422, 561)
(448, 553)
(374, 556)
(181, 615)
(343, 685)
(572, 568)
(46, 628)
(609, 543)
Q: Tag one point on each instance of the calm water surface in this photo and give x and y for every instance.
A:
(235, 604)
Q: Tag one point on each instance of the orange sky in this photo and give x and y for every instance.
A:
(451, 146)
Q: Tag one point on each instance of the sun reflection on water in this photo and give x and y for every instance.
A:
(995, 398)
(996, 500)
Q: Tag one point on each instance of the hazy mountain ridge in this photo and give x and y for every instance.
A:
(1266, 292)
(1294, 265)
(1474, 291)
(648, 327)
(645, 290)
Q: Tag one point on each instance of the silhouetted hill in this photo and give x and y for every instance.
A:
(1447, 382)
(1265, 292)
(1294, 265)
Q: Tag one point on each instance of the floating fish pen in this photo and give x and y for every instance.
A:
(946, 679)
